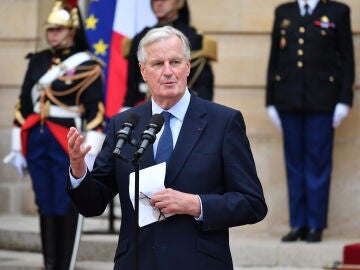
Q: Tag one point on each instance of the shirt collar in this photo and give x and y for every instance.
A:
(312, 5)
(178, 110)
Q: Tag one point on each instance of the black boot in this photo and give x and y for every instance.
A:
(295, 234)
(48, 241)
(66, 231)
(314, 235)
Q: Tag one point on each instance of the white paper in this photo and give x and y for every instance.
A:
(151, 180)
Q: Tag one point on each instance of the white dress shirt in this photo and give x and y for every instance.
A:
(178, 111)
(311, 3)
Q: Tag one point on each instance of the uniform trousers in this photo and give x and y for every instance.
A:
(308, 143)
(48, 165)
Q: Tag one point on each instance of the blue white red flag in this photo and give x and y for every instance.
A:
(107, 24)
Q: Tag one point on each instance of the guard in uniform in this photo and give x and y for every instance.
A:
(201, 80)
(309, 92)
(62, 88)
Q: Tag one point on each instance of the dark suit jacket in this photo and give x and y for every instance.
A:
(311, 66)
(212, 158)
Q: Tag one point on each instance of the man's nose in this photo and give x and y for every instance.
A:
(167, 69)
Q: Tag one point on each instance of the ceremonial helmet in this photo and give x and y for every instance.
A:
(63, 14)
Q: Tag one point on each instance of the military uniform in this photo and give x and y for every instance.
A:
(62, 88)
(311, 70)
(311, 66)
(46, 112)
(201, 78)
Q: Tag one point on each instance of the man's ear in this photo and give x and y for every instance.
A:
(188, 67)
(142, 71)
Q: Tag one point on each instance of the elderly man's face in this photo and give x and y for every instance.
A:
(166, 71)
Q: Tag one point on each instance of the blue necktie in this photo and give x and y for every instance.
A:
(165, 145)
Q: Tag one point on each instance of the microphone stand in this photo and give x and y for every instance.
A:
(136, 163)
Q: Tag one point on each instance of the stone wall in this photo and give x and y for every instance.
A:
(242, 30)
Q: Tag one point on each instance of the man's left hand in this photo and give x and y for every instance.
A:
(171, 201)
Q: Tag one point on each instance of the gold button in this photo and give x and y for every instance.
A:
(302, 29)
(283, 32)
(300, 52)
(323, 32)
(301, 41)
(277, 78)
(331, 79)
(300, 64)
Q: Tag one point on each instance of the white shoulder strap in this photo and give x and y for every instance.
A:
(57, 71)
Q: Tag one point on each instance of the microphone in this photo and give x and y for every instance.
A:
(149, 135)
(123, 135)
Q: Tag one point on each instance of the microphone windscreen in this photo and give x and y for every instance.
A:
(132, 119)
(157, 121)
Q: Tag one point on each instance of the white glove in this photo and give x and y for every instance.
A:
(274, 116)
(17, 160)
(89, 160)
(341, 111)
(15, 157)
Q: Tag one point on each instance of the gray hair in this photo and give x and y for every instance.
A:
(157, 34)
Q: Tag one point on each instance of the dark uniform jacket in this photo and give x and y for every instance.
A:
(136, 90)
(311, 66)
(80, 87)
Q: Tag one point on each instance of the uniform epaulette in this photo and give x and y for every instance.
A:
(126, 45)
(29, 55)
(208, 49)
(97, 59)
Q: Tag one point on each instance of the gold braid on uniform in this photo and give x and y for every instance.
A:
(208, 51)
(17, 113)
(99, 118)
(87, 77)
(199, 64)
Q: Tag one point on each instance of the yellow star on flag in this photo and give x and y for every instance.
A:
(100, 47)
(91, 22)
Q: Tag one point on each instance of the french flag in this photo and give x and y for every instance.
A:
(107, 24)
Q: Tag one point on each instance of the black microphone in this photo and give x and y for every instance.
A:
(123, 135)
(149, 135)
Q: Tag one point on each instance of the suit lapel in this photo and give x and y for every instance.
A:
(192, 128)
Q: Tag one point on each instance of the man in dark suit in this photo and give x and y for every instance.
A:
(211, 182)
(201, 79)
(309, 92)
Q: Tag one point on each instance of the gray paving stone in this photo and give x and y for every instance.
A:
(251, 249)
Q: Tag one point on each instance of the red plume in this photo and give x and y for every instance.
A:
(70, 3)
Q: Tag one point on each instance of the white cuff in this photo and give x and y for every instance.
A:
(74, 183)
(200, 218)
